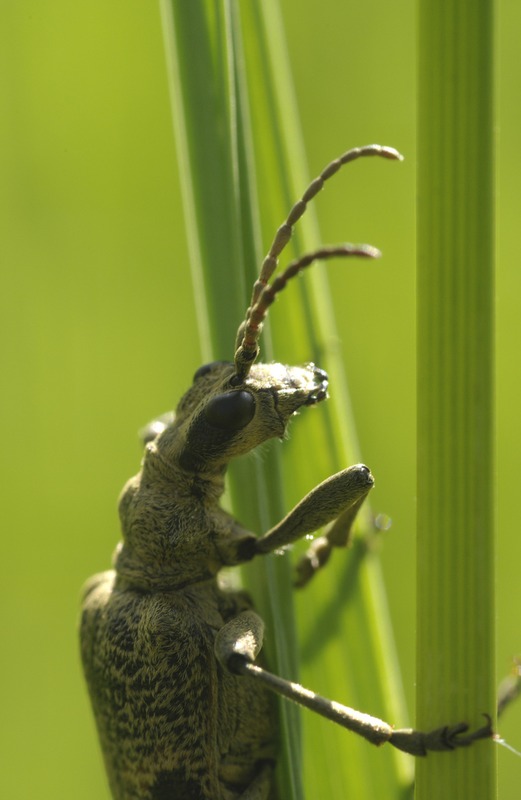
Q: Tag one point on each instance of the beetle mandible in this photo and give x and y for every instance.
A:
(183, 708)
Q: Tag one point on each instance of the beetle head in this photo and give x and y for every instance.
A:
(233, 407)
(220, 417)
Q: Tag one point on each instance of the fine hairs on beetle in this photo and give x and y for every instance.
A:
(183, 702)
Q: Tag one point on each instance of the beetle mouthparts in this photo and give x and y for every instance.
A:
(319, 393)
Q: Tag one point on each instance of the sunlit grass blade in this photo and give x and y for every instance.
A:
(237, 131)
(455, 389)
(212, 128)
(346, 643)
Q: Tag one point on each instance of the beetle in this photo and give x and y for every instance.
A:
(183, 702)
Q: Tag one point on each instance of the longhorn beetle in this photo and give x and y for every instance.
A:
(183, 708)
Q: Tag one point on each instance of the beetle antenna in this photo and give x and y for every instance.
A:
(251, 329)
(285, 231)
(262, 297)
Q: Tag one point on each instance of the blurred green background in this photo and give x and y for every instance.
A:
(97, 322)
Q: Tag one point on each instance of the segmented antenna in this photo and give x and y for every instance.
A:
(264, 294)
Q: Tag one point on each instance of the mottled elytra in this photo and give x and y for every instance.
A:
(184, 704)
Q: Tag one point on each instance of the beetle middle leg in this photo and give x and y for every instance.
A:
(238, 644)
(260, 787)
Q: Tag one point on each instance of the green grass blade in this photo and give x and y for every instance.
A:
(455, 389)
(210, 112)
(243, 167)
(347, 646)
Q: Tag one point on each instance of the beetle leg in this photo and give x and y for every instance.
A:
(376, 731)
(319, 551)
(261, 785)
(337, 498)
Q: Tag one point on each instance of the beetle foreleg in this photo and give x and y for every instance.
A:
(342, 493)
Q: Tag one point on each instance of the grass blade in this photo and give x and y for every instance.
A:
(241, 79)
(455, 389)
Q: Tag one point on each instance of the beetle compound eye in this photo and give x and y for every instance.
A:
(232, 410)
(206, 368)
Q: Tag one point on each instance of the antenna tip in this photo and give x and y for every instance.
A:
(368, 251)
(392, 153)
